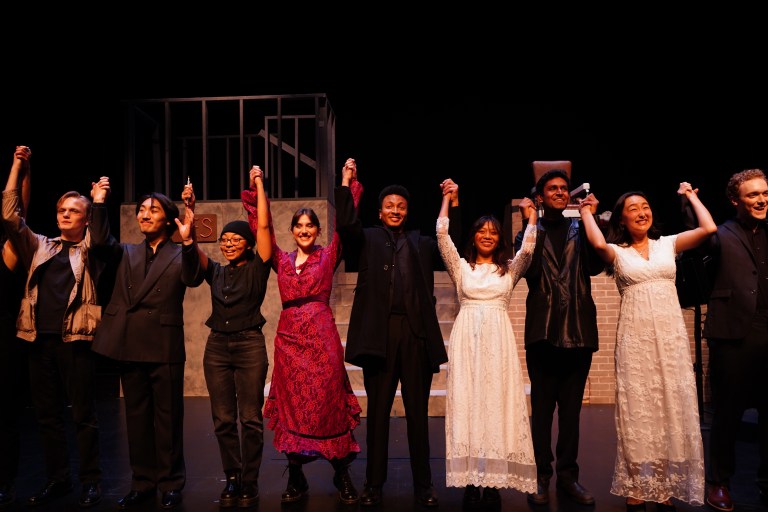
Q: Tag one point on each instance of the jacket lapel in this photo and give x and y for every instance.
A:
(143, 284)
(738, 232)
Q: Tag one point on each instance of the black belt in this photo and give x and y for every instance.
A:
(295, 303)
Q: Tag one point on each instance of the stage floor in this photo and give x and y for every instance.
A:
(205, 477)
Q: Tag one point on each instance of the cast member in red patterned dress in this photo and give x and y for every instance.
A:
(311, 406)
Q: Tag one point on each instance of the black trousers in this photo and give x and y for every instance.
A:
(407, 363)
(59, 372)
(235, 367)
(154, 415)
(558, 377)
(739, 380)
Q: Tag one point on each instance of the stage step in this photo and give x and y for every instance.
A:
(446, 307)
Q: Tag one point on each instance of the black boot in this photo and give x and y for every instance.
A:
(231, 490)
(343, 482)
(297, 484)
(249, 494)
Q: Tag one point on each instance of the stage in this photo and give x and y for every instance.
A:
(205, 476)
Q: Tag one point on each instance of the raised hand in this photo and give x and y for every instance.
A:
(186, 228)
(686, 189)
(528, 209)
(100, 190)
(255, 173)
(188, 195)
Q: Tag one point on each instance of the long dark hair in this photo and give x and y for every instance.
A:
(617, 234)
(470, 253)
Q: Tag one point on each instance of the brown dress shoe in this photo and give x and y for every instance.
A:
(576, 492)
(541, 496)
(719, 498)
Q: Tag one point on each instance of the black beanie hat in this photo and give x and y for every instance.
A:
(241, 228)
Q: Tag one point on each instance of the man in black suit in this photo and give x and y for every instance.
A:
(143, 328)
(560, 335)
(394, 334)
(736, 328)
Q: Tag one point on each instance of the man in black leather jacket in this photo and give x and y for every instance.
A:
(560, 336)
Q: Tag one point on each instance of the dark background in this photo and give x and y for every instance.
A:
(418, 136)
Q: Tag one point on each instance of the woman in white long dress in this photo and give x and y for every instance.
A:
(658, 435)
(487, 427)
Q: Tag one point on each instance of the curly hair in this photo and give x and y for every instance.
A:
(732, 189)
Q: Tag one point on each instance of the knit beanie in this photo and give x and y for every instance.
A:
(240, 227)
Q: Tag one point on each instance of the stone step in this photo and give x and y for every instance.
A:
(445, 329)
(436, 404)
(356, 378)
(446, 312)
(447, 307)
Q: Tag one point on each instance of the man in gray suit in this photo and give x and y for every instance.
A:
(143, 328)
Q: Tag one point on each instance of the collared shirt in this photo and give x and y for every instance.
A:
(151, 253)
(237, 293)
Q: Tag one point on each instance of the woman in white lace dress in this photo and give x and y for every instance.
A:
(487, 428)
(658, 435)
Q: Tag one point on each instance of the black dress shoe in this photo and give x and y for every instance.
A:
(541, 496)
(134, 497)
(371, 495)
(343, 483)
(231, 492)
(426, 497)
(472, 497)
(666, 507)
(7, 496)
(576, 492)
(90, 495)
(52, 490)
(171, 499)
(491, 498)
(249, 494)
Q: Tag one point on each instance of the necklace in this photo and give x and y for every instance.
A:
(642, 249)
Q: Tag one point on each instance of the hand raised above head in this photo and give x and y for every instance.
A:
(589, 202)
(349, 171)
(188, 195)
(186, 228)
(22, 153)
(100, 190)
(686, 188)
(527, 208)
(255, 173)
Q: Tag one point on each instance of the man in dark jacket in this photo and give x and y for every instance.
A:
(143, 328)
(560, 336)
(394, 334)
(736, 328)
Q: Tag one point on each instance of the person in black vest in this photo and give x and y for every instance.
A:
(560, 336)
(394, 334)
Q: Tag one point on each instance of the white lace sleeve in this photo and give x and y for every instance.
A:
(448, 251)
(522, 260)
